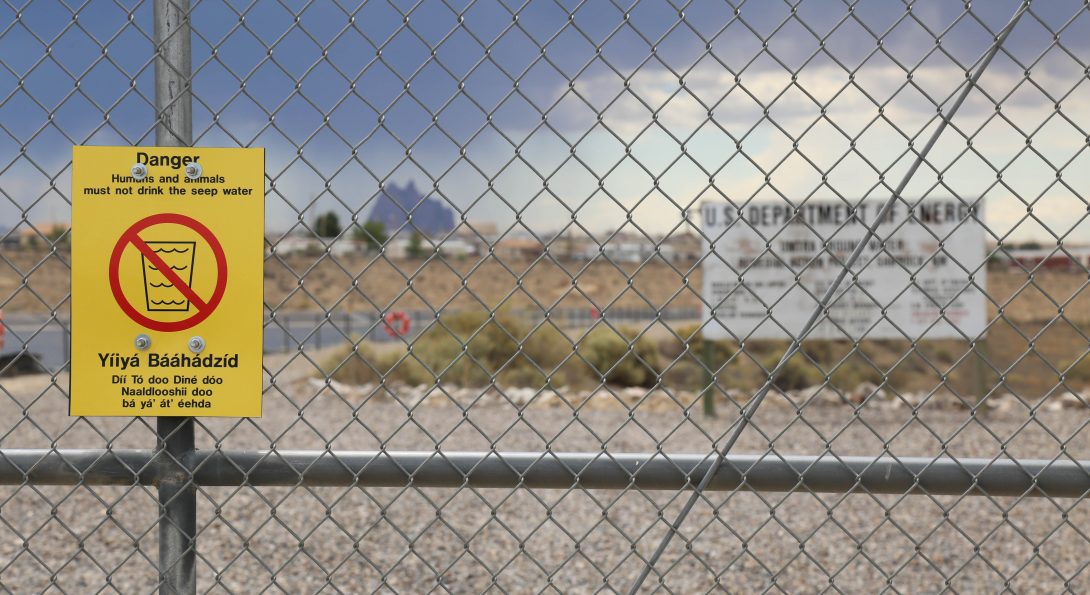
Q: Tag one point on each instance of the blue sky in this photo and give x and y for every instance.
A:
(623, 113)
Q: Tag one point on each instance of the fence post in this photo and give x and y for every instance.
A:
(174, 128)
(177, 507)
(285, 330)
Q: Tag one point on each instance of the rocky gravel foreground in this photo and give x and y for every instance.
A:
(410, 540)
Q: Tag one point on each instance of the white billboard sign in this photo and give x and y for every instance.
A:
(769, 264)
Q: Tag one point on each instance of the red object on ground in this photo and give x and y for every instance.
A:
(397, 323)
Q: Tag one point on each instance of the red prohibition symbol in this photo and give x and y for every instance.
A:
(398, 318)
(204, 307)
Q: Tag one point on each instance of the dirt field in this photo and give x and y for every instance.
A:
(1028, 345)
(37, 282)
(89, 538)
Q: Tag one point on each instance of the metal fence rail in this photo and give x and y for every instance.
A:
(557, 471)
(575, 209)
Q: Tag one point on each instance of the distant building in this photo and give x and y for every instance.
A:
(627, 247)
(295, 244)
(572, 246)
(478, 229)
(1070, 258)
(455, 246)
(41, 234)
(397, 248)
(430, 216)
(632, 248)
(10, 240)
(344, 246)
(477, 236)
(305, 243)
(518, 249)
(686, 247)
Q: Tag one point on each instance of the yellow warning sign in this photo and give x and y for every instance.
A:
(167, 257)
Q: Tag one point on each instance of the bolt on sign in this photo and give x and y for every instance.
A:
(167, 257)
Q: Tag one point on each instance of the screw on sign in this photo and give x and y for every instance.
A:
(396, 323)
(167, 274)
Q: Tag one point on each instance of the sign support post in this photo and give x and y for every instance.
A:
(176, 442)
(980, 350)
(709, 378)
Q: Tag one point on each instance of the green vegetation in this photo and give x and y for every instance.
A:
(797, 373)
(58, 235)
(416, 249)
(327, 225)
(372, 233)
(473, 349)
(476, 350)
(618, 358)
(1077, 372)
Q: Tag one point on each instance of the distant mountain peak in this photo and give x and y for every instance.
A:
(431, 216)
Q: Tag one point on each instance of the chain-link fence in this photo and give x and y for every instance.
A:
(560, 296)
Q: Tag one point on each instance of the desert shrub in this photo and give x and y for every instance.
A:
(368, 366)
(605, 357)
(797, 373)
(491, 350)
(942, 352)
(744, 373)
(1078, 372)
(853, 371)
(526, 376)
(890, 346)
(471, 348)
(539, 363)
(404, 368)
(359, 368)
(468, 349)
(684, 374)
(760, 348)
(440, 348)
(825, 352)
(673, 347)
(547, 346)
(912, 373)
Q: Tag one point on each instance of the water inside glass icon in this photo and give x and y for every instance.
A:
(159, 292)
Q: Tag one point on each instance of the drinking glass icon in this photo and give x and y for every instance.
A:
(160, 293)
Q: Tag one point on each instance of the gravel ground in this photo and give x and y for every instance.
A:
(90, 538)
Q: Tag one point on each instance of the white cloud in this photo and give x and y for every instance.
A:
(656, 100)
(657, 146)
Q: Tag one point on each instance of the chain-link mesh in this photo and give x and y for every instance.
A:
(493, 358)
